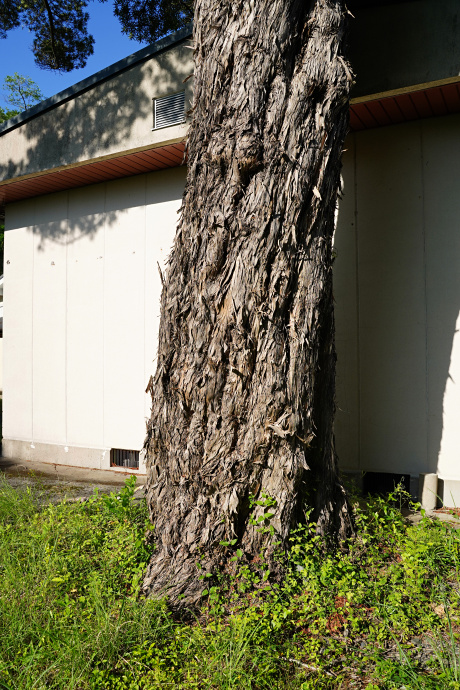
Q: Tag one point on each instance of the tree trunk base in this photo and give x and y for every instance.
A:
(243, 396)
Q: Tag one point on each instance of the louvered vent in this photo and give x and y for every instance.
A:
(124, 458)
(169, 110)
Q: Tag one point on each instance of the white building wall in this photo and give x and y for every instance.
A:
(441, 172)
(82, 291)
(86, 265)
(82, 294)
(397, 290)
(1, 364)
(18, 322)
(49, 301)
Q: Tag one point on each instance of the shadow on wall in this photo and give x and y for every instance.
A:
(111, 117)
(82, 273)
(82, 312)
(397, 290)
(102, 121)
(397, 44)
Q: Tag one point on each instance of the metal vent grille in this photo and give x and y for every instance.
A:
(169, 110)
(124, 458)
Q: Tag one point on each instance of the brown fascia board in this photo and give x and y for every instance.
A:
(103, 75)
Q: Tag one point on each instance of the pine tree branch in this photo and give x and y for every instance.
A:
(52, 29)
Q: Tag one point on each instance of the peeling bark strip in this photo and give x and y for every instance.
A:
(243, 396)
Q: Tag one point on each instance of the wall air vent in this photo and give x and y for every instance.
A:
(383, 483)
(124, 458)
(169, 110)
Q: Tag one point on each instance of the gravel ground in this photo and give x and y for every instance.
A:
(57, 482)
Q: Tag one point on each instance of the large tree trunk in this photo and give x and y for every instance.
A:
(243, 397)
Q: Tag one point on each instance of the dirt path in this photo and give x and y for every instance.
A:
(60, 480)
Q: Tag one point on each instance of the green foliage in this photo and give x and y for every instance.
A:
(69, 579)
(71, 617)
(4, 116)
(21, 92)
(121, 504)
(262, 519)
(148, 20)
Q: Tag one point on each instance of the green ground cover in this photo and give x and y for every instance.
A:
(382, 614)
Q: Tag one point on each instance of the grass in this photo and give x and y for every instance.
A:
(382, 614)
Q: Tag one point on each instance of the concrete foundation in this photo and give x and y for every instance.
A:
(72, 456)
(428, 490)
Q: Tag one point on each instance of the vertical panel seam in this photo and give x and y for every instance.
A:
(144, 293)
(104, 260)
(34, 232)
(358, 330)
(66, 317)
(425, 297)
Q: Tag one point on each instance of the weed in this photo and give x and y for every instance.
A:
(384, 614)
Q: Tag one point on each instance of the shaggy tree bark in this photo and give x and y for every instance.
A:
(243, 396)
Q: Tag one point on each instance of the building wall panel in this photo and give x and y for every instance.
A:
(347, 317)
(85, 316)
(124, 295)
(18, 321)
(398, 44)
(441, 170)
(390, 255)
(49, 319)
(407, 207)
(82, 277)
(392, 338)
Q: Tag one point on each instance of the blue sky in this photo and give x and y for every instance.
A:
(110, 45)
